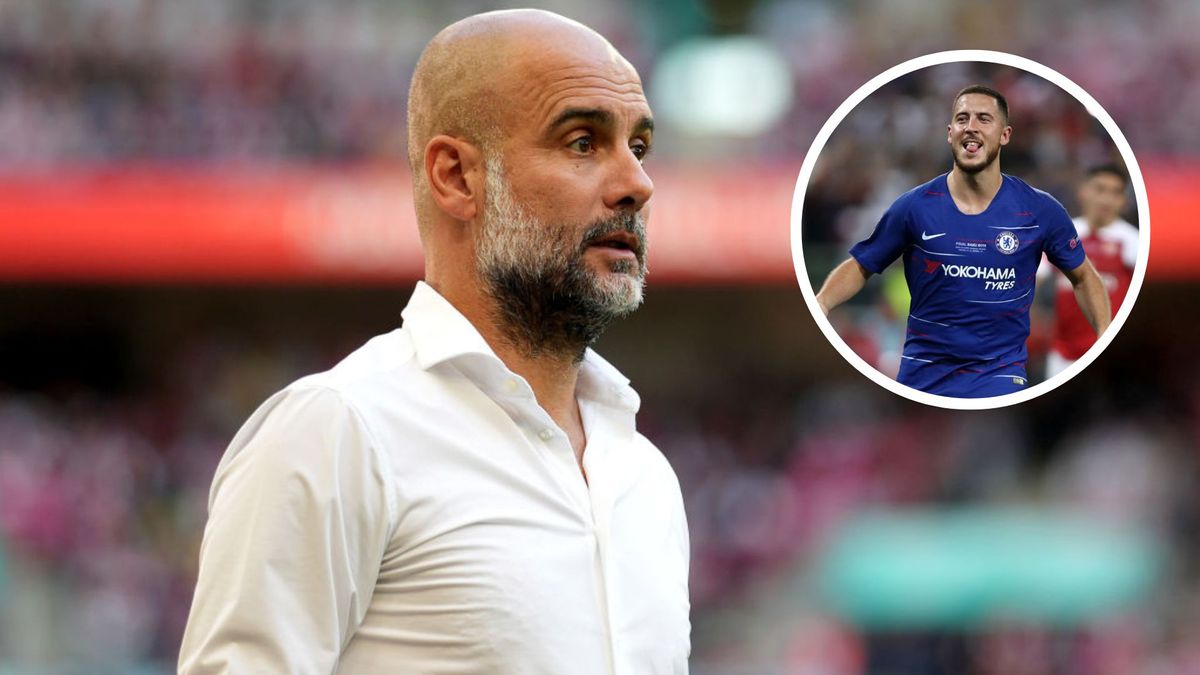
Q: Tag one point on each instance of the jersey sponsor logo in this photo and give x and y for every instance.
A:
(932, 266)
(994, 278)
(1007, 242)
(980, 272)
(927, 237)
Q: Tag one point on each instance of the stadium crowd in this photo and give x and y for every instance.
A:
(281, 81)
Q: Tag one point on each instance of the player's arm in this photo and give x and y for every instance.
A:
(1091, 295)
(298, 523)
(843, 283)
(867, 257)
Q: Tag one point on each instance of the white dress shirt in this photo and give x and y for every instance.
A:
(414, 510)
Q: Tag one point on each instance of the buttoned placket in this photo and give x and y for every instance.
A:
(592, 495)
(606, 435)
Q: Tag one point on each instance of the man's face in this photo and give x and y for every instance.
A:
(1102, 198)
(567, 194)
(539, 273)
(976, 132)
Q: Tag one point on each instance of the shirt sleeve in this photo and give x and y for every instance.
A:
(683, 543)
(299, 518)
(1061, 241)
(888, 240)
(679, 545)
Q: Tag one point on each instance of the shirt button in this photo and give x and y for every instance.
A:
(545, 434)
(511, 384)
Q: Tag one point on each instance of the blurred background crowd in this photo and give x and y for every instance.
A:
(286, 80)
(116, 400)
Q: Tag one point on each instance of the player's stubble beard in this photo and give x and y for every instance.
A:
(547, 300)
(973, 169)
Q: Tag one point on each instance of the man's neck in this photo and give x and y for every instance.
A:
(1095, 224)
(973, 192)
(551, 375)
(553, 378)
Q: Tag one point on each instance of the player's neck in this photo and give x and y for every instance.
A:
(1095, 224)
(973, 192)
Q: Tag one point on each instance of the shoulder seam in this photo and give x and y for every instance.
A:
(381, 458)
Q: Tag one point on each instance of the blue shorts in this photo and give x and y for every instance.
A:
(963, 379)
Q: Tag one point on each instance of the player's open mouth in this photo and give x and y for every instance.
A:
(972, 146)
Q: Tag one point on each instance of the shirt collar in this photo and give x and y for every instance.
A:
(441, 333)
(599, 380)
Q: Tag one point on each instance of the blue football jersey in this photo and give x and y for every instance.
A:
(972, 279)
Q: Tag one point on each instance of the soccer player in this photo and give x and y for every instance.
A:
(971, 241)
(469, 493)
(1112, 245)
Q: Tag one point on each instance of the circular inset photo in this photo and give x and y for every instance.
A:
(970, 229)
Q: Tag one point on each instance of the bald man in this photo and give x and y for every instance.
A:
(469, 493)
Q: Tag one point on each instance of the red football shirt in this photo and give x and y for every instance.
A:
(1113, 252)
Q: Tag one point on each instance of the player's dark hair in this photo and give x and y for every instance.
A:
(1001, 102)
(1111, 168)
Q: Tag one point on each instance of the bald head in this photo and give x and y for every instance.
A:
(527, 133)
(469, 74)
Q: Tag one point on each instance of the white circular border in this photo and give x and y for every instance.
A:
(1092, 106)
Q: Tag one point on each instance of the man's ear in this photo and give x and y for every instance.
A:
(1006, 135)
(453, 168)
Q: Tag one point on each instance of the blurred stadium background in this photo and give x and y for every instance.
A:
(201, 201)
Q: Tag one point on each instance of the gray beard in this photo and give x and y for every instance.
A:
(546, 300)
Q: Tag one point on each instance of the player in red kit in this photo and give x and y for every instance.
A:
(1111, 243)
